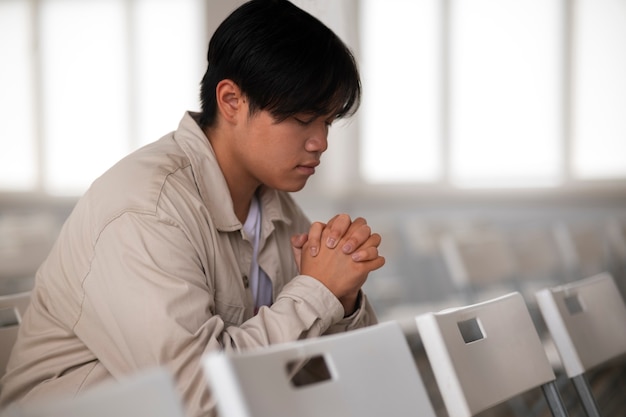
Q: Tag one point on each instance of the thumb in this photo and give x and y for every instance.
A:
(297, 242)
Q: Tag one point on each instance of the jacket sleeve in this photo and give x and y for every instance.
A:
(362, 317)
(146, 303)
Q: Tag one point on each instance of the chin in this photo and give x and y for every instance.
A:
(293, 189)
(290, 188)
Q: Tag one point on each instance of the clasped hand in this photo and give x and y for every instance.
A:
(340, 254)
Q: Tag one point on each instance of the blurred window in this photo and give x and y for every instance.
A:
(599, 84)
(466, 94)
(86, 82)
(493, 93)
(402, 77)
(505, 95)
(18, 154)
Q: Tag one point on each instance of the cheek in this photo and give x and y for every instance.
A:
(283, 148)
(268, 157)
(275, 148)
(279, 156)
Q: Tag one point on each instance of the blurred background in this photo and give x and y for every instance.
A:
(489, 152)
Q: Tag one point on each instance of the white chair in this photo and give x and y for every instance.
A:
(587, 321)
(538, 256)
(370, 373)
(480, 263)
(585, 246)
(12, 308)
(485, 354)
(148, 393)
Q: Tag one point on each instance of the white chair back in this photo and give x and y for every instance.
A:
(485, 354)
(148, 393)
(370, 373)
(587, 322)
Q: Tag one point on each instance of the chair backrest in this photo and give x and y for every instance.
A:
(484, 354)
(587, 321)
(481, 264)
(538, 256)
(12, 308)
(371, 373)
(148, 393)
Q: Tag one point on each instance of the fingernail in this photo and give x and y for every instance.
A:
(356, 257)
(347, 248)
(313, 250)
(331, 242)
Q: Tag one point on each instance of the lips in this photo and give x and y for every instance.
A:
(312, 164)
(308, 168)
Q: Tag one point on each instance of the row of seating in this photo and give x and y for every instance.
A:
(481, 355)
(472, 260)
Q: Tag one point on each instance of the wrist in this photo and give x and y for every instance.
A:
(350, 303)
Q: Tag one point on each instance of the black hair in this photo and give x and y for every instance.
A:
(284, 61)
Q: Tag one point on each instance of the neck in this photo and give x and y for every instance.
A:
(240, 185)
(241, 206)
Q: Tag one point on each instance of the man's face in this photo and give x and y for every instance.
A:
(282, 155)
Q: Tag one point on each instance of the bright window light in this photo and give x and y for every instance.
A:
(463, 93)
(18, 169)
(505, 112)
(599, 110)
(124, 81)
(401, 115)
(85, 84)
(170, 62)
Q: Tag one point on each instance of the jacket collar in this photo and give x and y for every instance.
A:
(211, 183)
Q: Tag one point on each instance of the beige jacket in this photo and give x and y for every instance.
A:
(151, 268)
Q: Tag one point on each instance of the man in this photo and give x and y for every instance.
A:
(193, 243)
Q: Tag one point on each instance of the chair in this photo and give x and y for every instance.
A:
(480, 263)
(148, 393)
(539, 258)
(485, 354)
(12, 308)
(587, 321)
(586, 247)
(369, 372)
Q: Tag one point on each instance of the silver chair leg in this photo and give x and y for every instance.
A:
(586, 396)
(554, 399)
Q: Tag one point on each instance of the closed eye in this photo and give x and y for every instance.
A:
(304, 122)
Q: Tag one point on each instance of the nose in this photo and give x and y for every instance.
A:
(318, 138)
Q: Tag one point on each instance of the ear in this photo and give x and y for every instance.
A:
(230, 101)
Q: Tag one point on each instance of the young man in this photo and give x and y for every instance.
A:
(193, 243)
